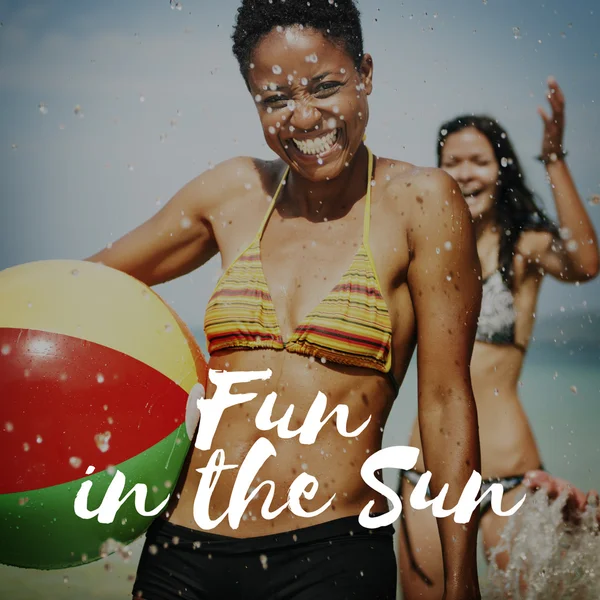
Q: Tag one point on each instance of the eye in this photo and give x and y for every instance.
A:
(278, 101)
(328, 88)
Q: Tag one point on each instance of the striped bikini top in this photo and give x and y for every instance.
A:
(350, 326)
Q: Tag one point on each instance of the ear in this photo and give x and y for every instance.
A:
(366, 72)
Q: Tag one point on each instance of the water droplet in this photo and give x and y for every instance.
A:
(175, 5)
(43, 108)
(75, 462)
(38, 439)
(448, 246)
(572, 245)
(5, 349)
(263, 561)
(565, 233)
(168, 327)
(320, 160)
(8, 426)
(503, 162)
(516, 33)
(311, 58)
(66, 579)
(75, 272)
(101, 440)
(185, 223)
(23, 501)
(100, 378)
(277, 69)
(304, 466)
(437, 250)
(26, 447)
(573, 388)
(304, 81)
(272, 130)
(78, 111)
(448, 277)
(142, 98)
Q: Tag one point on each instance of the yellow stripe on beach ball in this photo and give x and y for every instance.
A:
(62, 296)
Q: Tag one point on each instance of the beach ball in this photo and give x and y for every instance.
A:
(97, 378)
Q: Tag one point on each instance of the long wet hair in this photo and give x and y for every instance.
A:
(517, 209)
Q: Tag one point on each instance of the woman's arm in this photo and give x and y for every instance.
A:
(576, 257)
(179, 238)
(445, 286)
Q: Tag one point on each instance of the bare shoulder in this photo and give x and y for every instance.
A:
(426, 193)
(228, 184)
(231, 176)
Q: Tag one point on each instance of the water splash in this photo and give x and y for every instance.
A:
(556, 560)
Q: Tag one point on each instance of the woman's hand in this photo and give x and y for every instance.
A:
(554, 125)
(577, 501)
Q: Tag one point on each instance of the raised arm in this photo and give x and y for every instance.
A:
(177, 239)
(446, 291)
(574, 258)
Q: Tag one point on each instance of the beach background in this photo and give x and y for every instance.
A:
(109, 108)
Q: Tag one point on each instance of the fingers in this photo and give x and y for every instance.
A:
(593, 498)
(556, 98)
(556, 90)
(544, 115)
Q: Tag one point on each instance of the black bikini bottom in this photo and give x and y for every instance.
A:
(413, 476)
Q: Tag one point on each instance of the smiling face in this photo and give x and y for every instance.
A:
(469, 158)
(311, 100)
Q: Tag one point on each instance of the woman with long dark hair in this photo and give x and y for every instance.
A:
(517, 246)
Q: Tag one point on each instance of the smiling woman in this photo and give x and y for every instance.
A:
(331, 275)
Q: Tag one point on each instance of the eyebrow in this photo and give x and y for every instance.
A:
(314, 79)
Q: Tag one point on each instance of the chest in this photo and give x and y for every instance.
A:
(304, 261)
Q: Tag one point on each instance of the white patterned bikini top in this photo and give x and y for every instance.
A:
(496, 323)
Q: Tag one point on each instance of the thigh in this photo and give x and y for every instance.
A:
(424, 545)
(358, 567)
(492, 525)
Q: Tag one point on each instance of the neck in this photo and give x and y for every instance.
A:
(486, 225)
(329, 199)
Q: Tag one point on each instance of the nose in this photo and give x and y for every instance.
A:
(462, 172)
(304, 116)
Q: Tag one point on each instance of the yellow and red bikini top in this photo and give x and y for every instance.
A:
(350, 326)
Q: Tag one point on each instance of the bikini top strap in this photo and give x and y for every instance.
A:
(272, 205)
(367, 218)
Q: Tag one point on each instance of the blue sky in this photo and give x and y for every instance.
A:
(161, 99)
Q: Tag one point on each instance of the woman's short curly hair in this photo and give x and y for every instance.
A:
(338, 20)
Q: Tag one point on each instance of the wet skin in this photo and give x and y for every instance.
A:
(309, 242)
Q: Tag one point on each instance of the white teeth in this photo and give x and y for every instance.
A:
(317, 145)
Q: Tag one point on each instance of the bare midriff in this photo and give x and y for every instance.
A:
(507, 443)
(334, 460)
